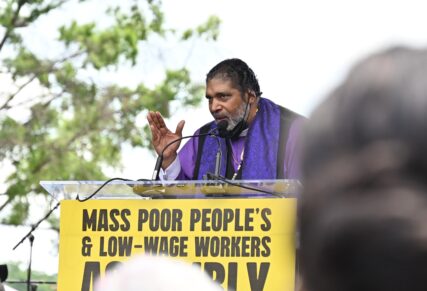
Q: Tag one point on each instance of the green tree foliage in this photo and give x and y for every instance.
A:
(16, 273)
(73, 126)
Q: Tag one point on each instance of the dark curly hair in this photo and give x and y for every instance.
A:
(236, 70)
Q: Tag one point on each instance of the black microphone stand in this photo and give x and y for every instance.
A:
(30, 237)
(29, 286)
(34, 226)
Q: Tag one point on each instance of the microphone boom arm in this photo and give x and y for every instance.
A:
(221, 125)
(159, 160)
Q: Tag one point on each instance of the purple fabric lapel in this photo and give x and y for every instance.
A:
(260, 158)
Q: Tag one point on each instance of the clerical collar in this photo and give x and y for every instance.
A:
(244, 132)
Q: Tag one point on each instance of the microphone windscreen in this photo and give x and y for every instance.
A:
(222, 128)
(223, 124)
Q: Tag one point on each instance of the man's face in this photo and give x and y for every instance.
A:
(225, 102)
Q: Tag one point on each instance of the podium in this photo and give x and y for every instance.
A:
(242, 235)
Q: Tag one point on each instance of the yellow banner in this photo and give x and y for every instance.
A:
(244, 244)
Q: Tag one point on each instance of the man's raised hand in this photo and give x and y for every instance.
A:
(162, 136)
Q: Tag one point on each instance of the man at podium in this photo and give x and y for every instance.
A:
(257, 138)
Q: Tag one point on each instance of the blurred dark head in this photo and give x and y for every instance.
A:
(383, 100)
(3, 273)
(363, 212)
(372, 240)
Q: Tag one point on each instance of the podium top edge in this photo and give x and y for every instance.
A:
(163, 181)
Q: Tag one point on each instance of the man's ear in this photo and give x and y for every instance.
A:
(251, 97)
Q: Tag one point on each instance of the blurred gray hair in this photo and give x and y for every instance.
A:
(151, 273)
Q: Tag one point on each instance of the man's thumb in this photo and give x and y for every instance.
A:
(179, 127)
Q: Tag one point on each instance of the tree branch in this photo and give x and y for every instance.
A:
(13, 23)
(49, 69)
(37, 12)
(9, 199)
(53, 96)
(11, 96)
(59, 151)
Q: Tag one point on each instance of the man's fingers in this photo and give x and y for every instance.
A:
(152, 116)
(179, 127)
(160, 120)
(152, 119)
(149, 118)
(154, 133)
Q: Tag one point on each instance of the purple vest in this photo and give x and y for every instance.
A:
(264, 145)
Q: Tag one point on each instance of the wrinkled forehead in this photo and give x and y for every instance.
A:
(225, 77)
(219, 85)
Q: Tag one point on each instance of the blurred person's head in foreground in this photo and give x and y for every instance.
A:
(363, 212)
(156, 273)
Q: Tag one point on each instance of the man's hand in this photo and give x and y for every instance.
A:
(162, 136)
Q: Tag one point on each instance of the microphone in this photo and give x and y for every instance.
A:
(222, 127)
(159, 160)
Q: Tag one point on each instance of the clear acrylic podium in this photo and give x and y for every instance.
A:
(172, 189)
(241, 234)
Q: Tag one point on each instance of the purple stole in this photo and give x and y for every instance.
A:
(261, 146)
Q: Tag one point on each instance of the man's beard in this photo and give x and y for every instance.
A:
(234, 119)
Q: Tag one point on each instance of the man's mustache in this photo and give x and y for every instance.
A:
(220, 115)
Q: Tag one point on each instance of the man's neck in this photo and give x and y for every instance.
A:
(252, 112)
